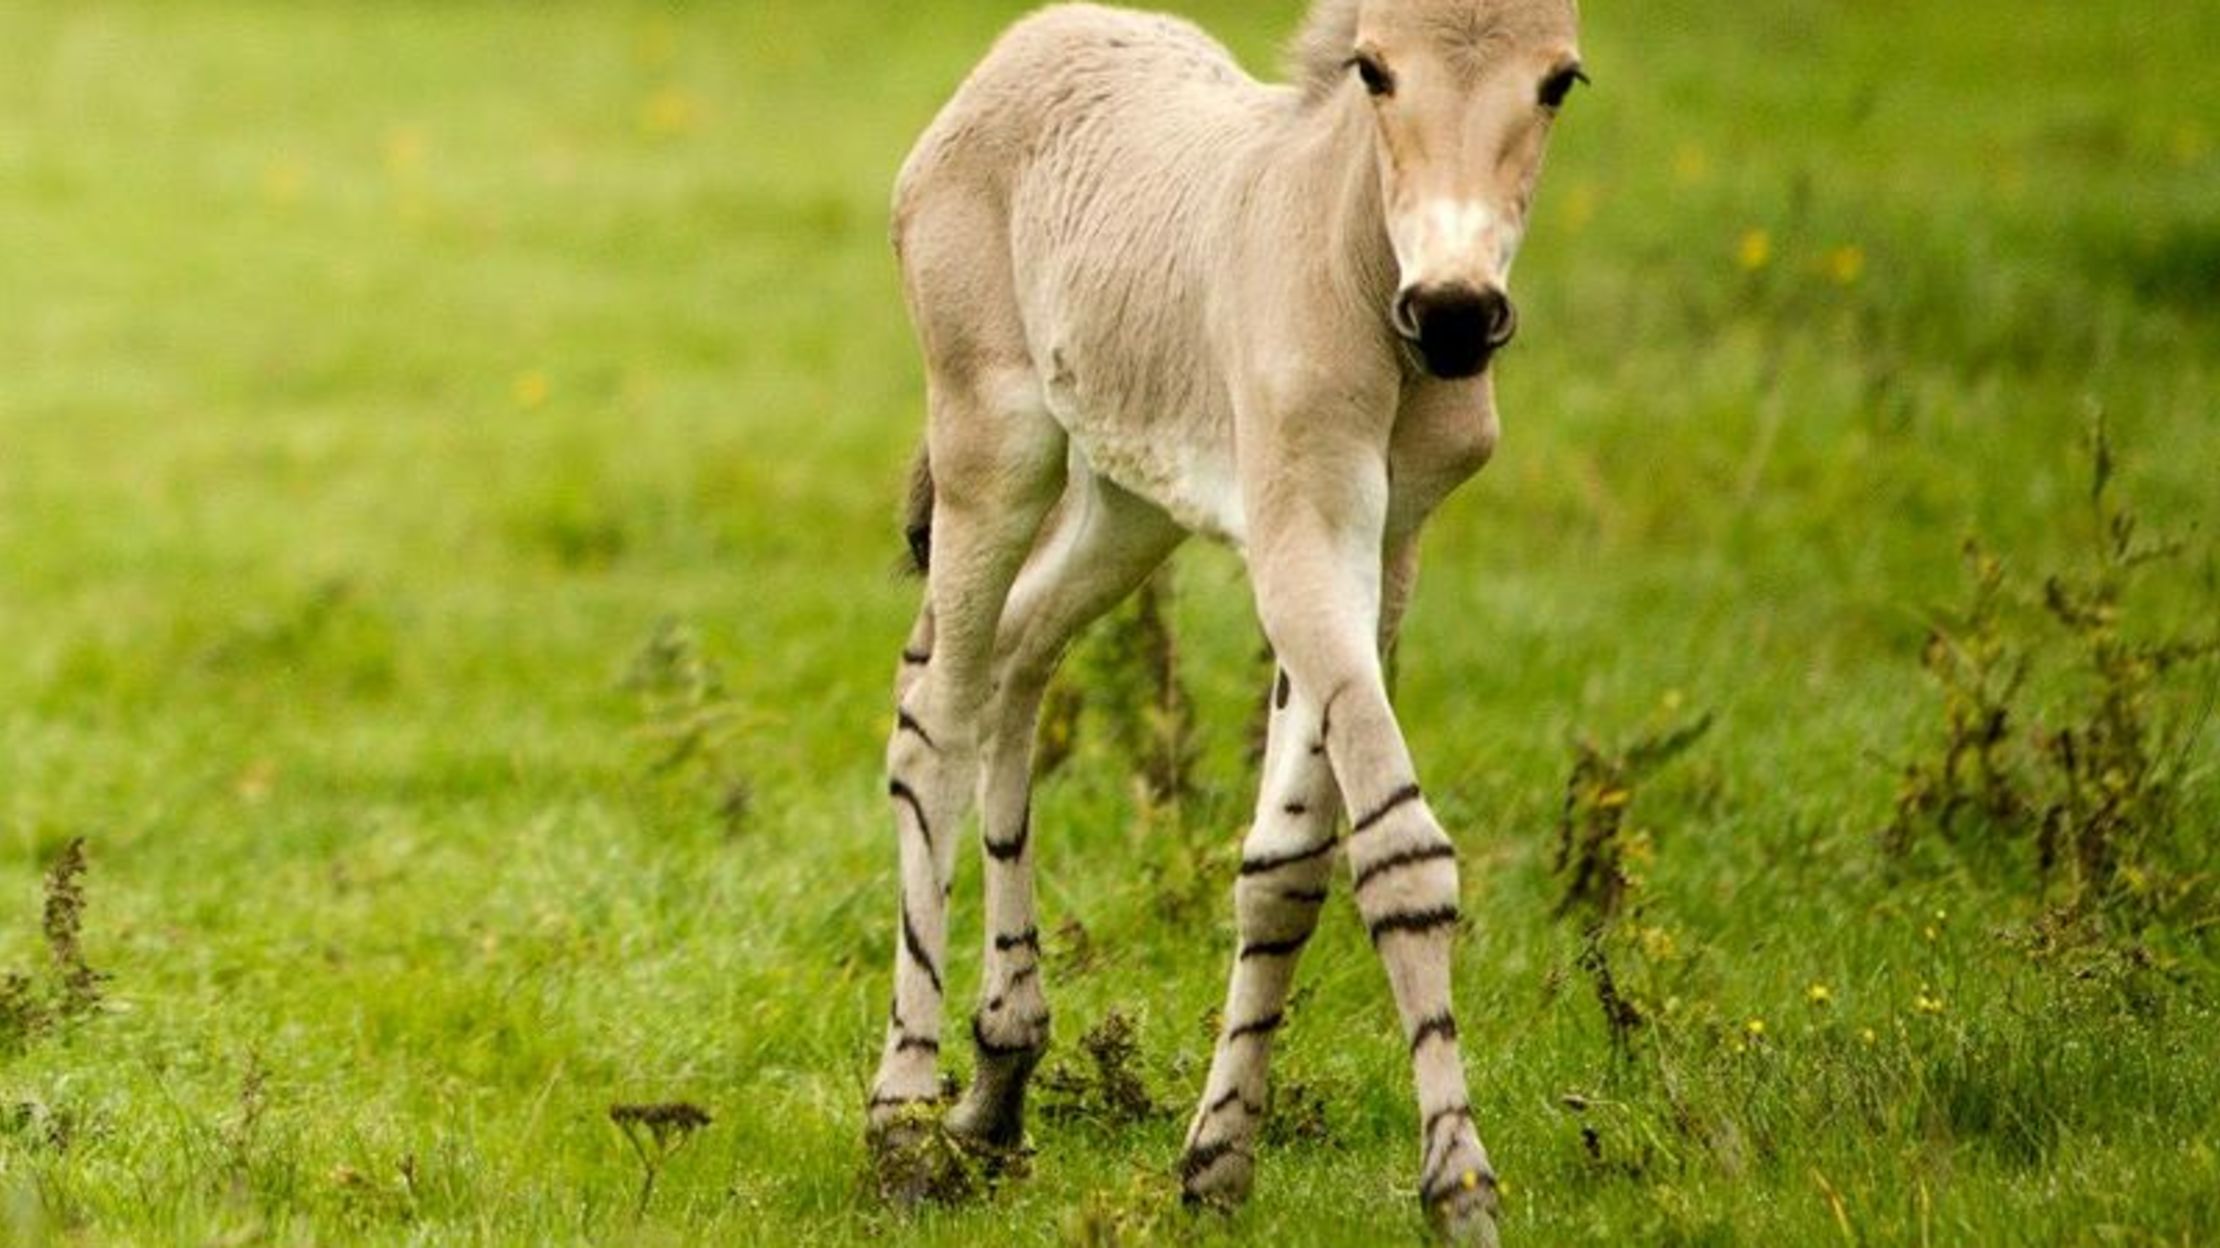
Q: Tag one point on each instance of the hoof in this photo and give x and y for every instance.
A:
(997, 1145)
(1216, 1175)
(1464, 1210)
(914, 1160)
(990, 1120)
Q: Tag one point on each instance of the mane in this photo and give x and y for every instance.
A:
(1318, 57)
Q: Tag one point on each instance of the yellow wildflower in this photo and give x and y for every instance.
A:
(1819, 994)
(668, 111)
(531, 390)
(404, 151)
(1846, 264)
(1755, 250)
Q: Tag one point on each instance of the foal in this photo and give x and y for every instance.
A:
(1156, 298)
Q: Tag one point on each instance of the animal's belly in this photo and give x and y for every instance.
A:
(1179, 459)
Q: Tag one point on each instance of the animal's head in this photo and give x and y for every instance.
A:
(1463, 93)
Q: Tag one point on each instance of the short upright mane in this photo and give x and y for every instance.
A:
(1319, 56)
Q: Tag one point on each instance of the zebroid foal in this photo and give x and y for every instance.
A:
(1156, 298)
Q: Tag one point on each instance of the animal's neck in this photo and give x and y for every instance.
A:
(1349, 208)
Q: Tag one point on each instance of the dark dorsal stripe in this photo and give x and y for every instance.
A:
(916, 948)
(1412, 921)
(1030, 938)
(1441, 1025)
(1256, 1026)
(1258, 866)
(1008, 851)
(1403, 858)
(1401, 797)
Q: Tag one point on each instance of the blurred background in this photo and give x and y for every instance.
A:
(449, 457)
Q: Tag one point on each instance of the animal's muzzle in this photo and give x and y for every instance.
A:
(1456, 328)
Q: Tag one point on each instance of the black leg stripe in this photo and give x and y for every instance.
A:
(1030, 938)
(1274, 948)
(1258, 866)
(1297, 809)
(922, 1044)
(1280, 691)
(1264, 1026)
(1401, 797)
(884, 1101)
(1023, 973)
(1439, 1116)
(1307, 896)
(988, 1048)
(1234, 1097)
(1404, 858)
(1202, 1157)
(906, 722)
(904, 794)
(1411, 921)
(1441, 1026)
(1438, 1187)
(916, 658)
(916, 948)
(1010, 850)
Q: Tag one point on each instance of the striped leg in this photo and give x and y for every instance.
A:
(988, 509)
(1101, 544)
(1286, 862)
(1320, 590)
(908, 1064)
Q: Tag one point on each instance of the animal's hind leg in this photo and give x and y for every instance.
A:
(997, 462)
(1101, 545)
(1286, 862)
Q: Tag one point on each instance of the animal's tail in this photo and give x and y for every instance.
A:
(917, 513)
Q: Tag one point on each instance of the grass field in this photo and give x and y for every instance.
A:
(381, 384)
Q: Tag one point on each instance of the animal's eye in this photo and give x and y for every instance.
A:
(1377, 79)
(1559, 85)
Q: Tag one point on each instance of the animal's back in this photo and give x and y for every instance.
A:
(1070, 189)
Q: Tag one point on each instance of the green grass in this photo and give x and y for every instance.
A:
(375, 377)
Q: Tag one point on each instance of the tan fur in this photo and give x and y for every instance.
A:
(1156, 297)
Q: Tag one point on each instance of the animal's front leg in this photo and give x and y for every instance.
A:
(1318, 577)
(1286, 862)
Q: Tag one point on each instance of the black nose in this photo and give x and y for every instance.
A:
(1455, 328)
